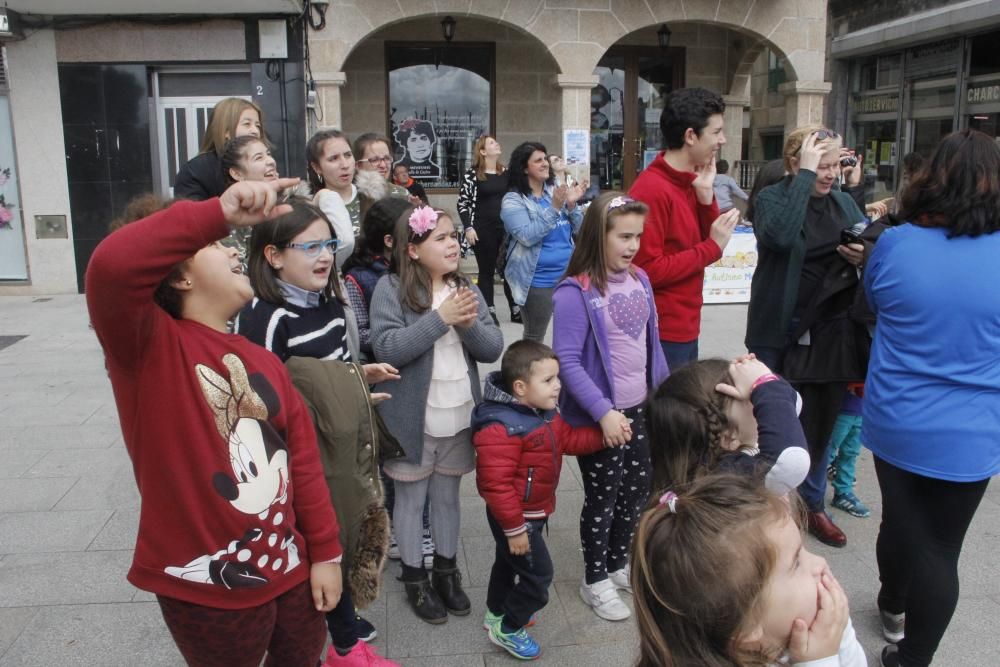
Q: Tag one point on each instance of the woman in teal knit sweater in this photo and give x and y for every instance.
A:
(797, 223)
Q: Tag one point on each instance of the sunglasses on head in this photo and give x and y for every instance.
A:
(826, 134)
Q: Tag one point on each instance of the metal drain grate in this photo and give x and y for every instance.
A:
(7, 341)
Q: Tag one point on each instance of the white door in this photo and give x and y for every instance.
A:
(180, 124)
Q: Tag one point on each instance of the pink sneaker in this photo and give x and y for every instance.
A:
(362, 655)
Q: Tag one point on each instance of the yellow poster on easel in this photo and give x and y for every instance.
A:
(871, 151)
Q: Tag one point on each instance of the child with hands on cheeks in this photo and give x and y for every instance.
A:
(431, 323)
(520, 439)
(605, 335)
(720, 577)
(738, 417)
(236, 528)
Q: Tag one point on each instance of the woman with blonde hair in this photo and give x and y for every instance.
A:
(482, 190)
(799, 223)
(202, 177)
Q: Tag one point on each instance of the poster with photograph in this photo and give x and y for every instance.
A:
(418, 140)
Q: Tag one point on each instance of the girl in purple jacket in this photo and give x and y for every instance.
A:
(605, 334)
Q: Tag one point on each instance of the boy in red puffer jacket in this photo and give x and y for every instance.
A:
(520, 439)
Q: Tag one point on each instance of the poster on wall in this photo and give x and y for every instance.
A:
(576, 153)
(418, 140)
(728, 280)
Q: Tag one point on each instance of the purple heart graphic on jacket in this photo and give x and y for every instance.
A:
(630, 312)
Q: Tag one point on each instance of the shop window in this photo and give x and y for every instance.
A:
(773, 145)
(440, 101)
(775, 71)
(985, 57)
(878, 72)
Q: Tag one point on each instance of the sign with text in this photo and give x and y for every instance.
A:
(728, 280)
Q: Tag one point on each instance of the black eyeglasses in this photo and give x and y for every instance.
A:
(314, 248)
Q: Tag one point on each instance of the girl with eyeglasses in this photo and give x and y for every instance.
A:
(300, 311)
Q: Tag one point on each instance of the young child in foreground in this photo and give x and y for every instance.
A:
(719, 416)
(720, 577)
(520, 439)
(237, 538)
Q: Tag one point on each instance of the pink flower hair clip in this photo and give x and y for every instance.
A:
(423, 220)
(618, 202)
(669, 500)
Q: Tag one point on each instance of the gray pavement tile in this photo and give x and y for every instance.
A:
(588, 627)
(16, 462)
(35, 532)
(464, 660)
(611, 654)
(77, 577)
(104, 491)
(45, 413)
(12, 623)
(411, 637)
(95, 634)
(88, 436)
(119, 532)
(81, 462)
(33, 495)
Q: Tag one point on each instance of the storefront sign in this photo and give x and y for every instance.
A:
(876, 104)
(728, 280)
(983, 94)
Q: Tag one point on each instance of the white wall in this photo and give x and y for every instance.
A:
(36, 117)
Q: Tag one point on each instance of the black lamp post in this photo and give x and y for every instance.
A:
(448, 28)
(663, 36)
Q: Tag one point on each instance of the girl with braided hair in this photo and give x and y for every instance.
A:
(715, 415)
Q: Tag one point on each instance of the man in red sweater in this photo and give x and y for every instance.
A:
(684, 232)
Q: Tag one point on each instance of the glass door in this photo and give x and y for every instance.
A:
(13, 261)
(625, 111)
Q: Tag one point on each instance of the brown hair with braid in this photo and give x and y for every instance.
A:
(697, 604)
(686, 419)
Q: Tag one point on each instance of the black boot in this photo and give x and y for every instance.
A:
(423, 598)
(447, 581)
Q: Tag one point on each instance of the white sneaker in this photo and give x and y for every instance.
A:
(603, 597)
(620, 578)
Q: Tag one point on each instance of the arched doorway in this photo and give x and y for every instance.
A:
(625, 104)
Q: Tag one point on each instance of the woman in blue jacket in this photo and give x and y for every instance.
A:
(541, 221)
(932, 404)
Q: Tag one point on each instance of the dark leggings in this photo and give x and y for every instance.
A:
(616, 484)
(288, 629)
(487, 249)
(340, 620)
(924, 521)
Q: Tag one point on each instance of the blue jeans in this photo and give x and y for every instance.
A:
(679, 354)
(845, 446)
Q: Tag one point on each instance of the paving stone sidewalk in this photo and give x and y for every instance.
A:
(69, 513)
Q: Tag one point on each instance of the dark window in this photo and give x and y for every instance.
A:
(440, 101)
(775, 71)
(985, 54)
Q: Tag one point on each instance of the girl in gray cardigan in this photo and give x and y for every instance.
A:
(432, 324)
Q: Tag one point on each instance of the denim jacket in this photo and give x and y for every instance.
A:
(527, 223)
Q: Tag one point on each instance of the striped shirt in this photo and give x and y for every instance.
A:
(291, 330)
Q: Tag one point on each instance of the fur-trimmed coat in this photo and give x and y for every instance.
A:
(352, 440)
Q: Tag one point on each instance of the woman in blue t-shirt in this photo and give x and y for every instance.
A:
(541, 221)
(930, 415)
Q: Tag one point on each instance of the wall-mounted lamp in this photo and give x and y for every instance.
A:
(663, 36)
(448, 28)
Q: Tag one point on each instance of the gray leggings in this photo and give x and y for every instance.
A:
(442, 490)
(537, 312)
